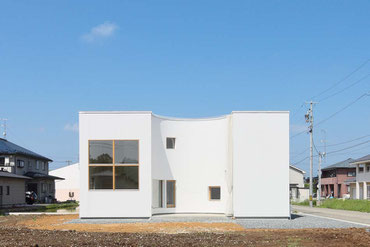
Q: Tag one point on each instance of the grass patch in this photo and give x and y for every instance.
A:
(304, 203)
(54, 207)
(353, 205)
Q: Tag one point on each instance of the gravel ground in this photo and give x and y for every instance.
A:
(298, 221)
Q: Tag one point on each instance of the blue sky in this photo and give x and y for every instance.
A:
(184, 59)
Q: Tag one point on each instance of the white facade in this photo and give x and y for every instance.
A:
(361, 188)
(70, 184)
(232, 153)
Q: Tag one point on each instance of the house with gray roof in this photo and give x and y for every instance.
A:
(23, 170)
(334, 177)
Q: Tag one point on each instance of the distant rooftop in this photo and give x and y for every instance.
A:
(9, 148)
(343, 164)
(362, 159)
(297, 169)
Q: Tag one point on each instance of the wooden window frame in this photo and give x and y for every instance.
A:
(174, 195)
(114, 165)
(209, 192)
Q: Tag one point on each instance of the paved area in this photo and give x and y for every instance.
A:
(298, 221)
(352, 216)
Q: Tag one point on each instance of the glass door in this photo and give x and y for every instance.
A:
(171, 193)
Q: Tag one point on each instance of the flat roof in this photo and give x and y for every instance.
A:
(178, 118)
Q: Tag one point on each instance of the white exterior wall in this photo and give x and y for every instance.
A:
(116, 203)
(71, 182)
(261, 159)
(239, 152)
(363, 176)
(198, 161)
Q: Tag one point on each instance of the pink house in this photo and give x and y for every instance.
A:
(333, 179)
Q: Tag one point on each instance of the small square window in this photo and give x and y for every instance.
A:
(214, 192)
(20, 163)
(170, 143)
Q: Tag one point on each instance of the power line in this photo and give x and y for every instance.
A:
(343, 79)
(359, 144)
(340, 143)
(344, 108)
(302, 152)
(344, 89)
(296, 111)
(335, 151)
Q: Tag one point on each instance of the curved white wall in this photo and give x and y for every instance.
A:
(198, 161)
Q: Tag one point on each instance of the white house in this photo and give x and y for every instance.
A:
(298, 192)
(360, 187)
(136, 164)
(69, 188)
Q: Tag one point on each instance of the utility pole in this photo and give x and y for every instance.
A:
(309, 119)
(4, 125)
(321, 155)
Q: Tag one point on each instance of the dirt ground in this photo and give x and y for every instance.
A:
(51, 231)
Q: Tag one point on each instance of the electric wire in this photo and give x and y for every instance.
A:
(344, 89)
(341, 80)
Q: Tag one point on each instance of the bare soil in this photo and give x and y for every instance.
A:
(52, 231)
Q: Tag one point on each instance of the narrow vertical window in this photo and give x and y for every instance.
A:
(171, 193)
(170, 142)
(160, 194)
(8, 190)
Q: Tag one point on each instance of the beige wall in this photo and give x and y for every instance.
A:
(63, 194)
(71, 182)
(17, 191)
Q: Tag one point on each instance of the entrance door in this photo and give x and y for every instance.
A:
(32, 187)
(171, 193)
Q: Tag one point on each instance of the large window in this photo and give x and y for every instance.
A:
(114, 164)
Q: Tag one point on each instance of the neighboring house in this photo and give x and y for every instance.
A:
(360, 187)
(136, 164)
(298, 192)
(69, 188)
(12, 188)
(334, 179)
(20, 161)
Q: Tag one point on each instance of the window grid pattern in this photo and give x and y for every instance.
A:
(114, 164)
